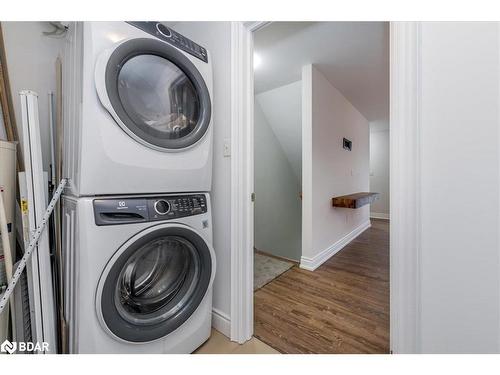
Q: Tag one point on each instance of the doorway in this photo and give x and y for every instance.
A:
(348, 227)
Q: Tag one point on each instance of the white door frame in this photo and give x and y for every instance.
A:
(405, 64)
(242, 101)
(405, 170)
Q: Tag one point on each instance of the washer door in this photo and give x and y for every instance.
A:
(154, 283)
(156, 94)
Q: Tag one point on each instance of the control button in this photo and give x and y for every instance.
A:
(162, 207)
(163, 30)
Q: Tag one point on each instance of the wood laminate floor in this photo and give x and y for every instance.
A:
(342, 307)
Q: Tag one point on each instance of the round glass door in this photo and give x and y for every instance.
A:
(158, 94)
(156, 284)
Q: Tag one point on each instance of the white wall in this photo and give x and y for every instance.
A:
(216, 37)
(277, 212)
(379, 168)
(282, 108)
(459, 148)
(31, 58)
(331, 170)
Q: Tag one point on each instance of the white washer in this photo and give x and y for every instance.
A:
(137, 110)
(138, 273)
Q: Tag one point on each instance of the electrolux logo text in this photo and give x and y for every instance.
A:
(12, 347)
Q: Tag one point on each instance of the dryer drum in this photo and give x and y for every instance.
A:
(156, 284)
(158, 94)
(154, 275)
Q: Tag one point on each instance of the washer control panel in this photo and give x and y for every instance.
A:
(115, 211)
(172, 37)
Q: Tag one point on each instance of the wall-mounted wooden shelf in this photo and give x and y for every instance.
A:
(356, 200)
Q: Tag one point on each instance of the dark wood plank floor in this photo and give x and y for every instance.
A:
(342, 307)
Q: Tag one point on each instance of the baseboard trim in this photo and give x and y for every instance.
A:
(378, 215)
(311, 264)
(221, 322)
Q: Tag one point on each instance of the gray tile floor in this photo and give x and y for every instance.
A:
(267, 268)
(220, 344)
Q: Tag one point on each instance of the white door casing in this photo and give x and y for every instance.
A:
(405, 94)
(404, 170)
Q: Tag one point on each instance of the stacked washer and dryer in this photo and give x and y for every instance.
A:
(138, 262)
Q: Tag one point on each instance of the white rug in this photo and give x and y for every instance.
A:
(267, 268)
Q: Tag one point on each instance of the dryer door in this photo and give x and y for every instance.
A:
(154, 283)
(155, 93)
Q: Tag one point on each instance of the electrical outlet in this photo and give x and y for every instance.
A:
(227, 148)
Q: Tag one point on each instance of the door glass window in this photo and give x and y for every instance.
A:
(159, 97)
(157, 280)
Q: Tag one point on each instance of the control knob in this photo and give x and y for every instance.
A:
(162, 207)
(163, 30)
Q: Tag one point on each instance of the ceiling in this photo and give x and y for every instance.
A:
(354, 57)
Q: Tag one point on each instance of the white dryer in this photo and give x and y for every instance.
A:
(138, 273)
(137, 110)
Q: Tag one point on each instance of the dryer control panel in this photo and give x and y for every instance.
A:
(172, 37)
(116, 211)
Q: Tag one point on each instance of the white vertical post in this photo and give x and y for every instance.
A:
(45, 327)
